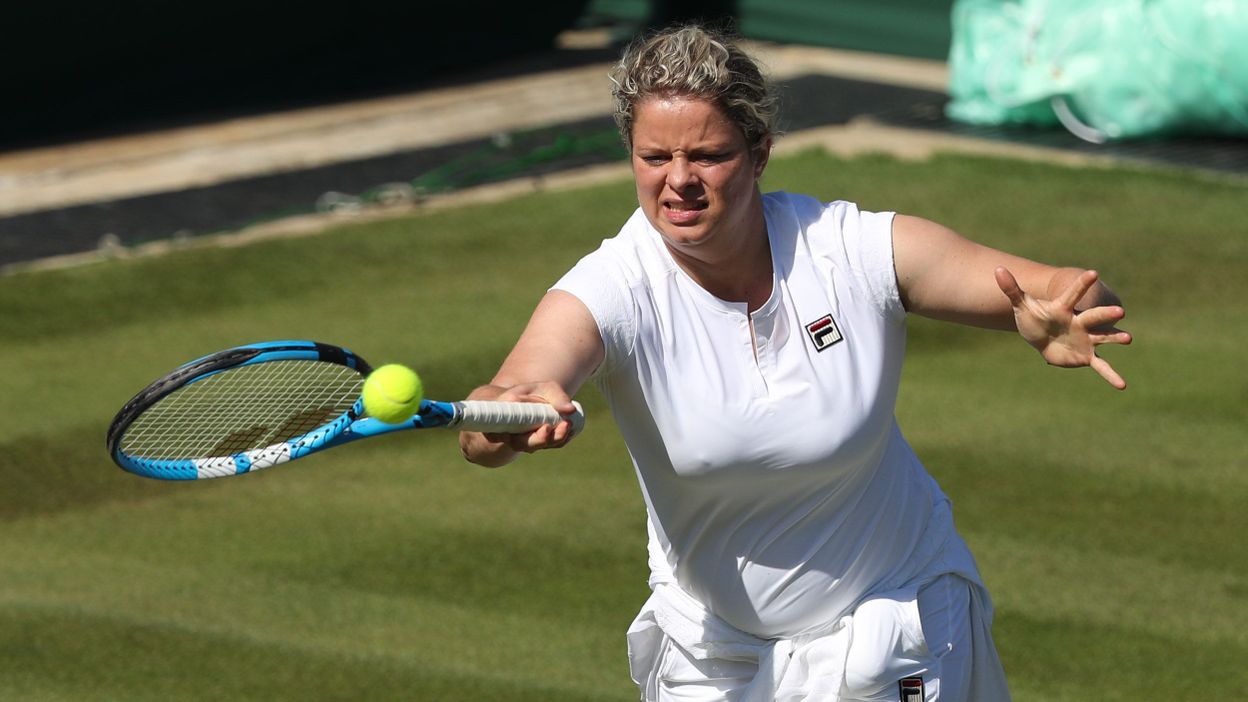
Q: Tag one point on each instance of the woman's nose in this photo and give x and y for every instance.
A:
(680, 174)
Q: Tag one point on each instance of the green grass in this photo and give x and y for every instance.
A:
(1110, 526)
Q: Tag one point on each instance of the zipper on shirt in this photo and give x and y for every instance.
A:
(756, 348)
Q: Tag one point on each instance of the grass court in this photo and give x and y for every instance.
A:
(1109, 526)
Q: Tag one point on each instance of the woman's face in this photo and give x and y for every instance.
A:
(696, 175)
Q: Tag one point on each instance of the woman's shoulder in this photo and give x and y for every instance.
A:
(631, 255)
(812, 216)
(809, 207)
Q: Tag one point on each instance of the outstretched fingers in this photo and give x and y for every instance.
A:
(1009, 285)
(1101, 317)
(1114, 337)
(1100, 321)
(1107, 372)
(1077, 289)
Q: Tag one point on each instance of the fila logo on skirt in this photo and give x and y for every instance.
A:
(911, 689)
(823, 332)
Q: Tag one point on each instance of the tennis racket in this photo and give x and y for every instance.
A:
(252, 407)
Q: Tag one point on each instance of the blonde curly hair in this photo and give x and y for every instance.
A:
(697, 62)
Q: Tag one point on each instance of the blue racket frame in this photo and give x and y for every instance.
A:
(348, 427)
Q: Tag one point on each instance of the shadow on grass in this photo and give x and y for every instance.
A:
(1044, 501)
(71, 655)
(1067, 660)
(576, 579)
(66, 471)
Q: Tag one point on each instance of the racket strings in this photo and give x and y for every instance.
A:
(242, 409)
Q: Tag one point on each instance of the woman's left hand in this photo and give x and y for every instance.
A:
(1065, 336)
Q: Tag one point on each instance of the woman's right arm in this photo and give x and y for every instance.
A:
(556, 353)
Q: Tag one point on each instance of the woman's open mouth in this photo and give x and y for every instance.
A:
(678, 212)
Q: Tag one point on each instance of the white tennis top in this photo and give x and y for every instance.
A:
(779, 489)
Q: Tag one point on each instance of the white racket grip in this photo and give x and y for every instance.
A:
(512, 417)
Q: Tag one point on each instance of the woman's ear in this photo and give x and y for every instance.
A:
(760, 155)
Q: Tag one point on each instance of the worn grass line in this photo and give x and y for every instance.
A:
(135, 660)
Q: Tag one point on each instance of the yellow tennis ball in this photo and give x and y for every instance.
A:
(392, 393)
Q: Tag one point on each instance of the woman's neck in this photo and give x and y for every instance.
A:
(740, 274)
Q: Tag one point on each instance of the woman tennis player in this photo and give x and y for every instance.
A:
(750, 347)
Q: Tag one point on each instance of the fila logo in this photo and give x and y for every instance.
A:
(823, 332)
(911, 689)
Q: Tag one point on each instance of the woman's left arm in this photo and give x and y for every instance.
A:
(1065, 313)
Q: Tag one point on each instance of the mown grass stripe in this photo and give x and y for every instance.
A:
(74, 655)
(1107, 524)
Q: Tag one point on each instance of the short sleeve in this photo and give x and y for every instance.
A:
(869, 248)
(857, 242)
(600, 283)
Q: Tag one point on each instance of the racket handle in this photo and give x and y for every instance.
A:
(511, 417)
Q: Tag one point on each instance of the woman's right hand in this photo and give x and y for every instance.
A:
(561, 344)
(493, 450)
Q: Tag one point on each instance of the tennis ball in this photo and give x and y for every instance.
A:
(392, 393)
